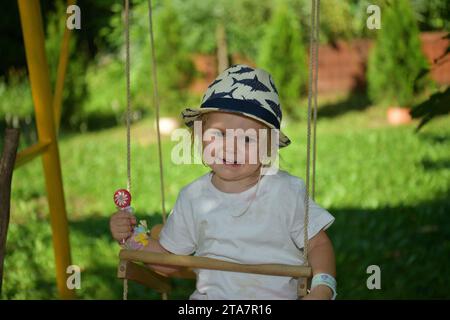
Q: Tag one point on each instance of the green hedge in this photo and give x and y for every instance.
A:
(397, 58)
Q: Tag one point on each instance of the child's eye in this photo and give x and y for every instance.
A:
(249, 139)
(217, 133)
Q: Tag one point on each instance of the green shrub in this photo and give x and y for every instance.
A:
(175, 67)
(397, 58)
(16, 104)
(15, 97)
(283, 54)
(105, 78)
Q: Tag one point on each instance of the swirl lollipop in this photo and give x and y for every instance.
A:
(122, 199)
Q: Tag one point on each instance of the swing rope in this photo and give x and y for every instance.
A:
(127, 71)
(316, 80)
(156, 103)
(312, 118)
(128, 113)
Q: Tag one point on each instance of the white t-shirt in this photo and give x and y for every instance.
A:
(204, 220)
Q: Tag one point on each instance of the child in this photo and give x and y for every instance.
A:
(234, 213)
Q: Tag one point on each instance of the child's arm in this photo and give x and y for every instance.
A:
(155, 246)
(321, 260)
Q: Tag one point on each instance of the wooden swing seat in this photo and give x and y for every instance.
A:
(130, 270)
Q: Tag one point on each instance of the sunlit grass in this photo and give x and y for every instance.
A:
(387, 186)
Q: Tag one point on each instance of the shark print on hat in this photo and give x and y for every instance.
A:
(218, 95)
(253, 101)
(241, 70)
(275, 107)
(254, 83)
(273, 85)
(214, 83)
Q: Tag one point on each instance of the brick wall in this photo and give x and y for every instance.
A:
(342, 66)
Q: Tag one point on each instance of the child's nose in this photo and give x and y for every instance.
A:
(234, 151)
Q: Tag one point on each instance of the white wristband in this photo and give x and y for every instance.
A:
(324, 279)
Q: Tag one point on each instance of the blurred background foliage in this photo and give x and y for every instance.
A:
(387, 187)
(267, 32)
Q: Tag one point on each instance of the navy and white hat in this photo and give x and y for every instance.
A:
(245, 90)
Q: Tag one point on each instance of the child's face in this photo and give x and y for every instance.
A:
(232, 160)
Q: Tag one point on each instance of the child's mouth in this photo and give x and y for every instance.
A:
(232, 164)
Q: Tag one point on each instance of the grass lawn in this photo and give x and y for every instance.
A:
(387, 187)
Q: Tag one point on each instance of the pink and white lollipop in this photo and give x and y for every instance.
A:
(122, 198)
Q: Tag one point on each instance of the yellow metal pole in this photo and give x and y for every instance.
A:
(30, 153)
(33, 34)
(61, 72)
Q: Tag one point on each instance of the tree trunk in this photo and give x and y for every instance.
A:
(222, 48)
(6, 169)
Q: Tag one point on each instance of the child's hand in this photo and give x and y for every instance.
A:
(121, 225)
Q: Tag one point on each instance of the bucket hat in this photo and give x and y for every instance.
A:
(244, 90)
